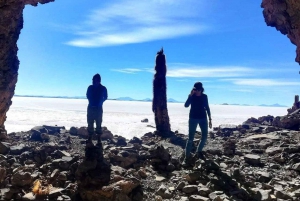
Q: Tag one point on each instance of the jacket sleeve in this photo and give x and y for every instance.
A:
(104, 94)
(188, 101)
(88, 93)
(207, 107)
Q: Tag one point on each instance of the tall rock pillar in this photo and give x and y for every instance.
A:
(159, 103)
(11, 23)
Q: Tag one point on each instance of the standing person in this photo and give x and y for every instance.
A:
(96, 94)
(198, 115)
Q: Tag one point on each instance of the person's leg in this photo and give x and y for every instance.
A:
(204, 131)
(90, 121)
(99, 114)
(189, 143)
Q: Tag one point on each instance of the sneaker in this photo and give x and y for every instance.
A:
(185, 163)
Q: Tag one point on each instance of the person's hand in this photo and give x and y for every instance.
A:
(209, 124)
(192, 92)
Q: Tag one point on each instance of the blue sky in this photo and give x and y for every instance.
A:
(224, 44)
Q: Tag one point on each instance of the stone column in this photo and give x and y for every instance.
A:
(159, 103)
(11, 23)
(296, 99)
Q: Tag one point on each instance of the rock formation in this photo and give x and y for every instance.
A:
(284, 15)
(11, 23)
(295, 106)
(159, 103)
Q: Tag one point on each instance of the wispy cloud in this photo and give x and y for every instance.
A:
(243, 90)
(183, 71)
(209, 72)
(183, 80)
(263, 82)
(135, 21)
(128, 70)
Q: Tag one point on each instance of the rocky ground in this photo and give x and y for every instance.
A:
(258, 160)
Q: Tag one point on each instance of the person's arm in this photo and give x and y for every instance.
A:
(207, 108)
(105, 94)
(208, 112)
(88, 93)
(188, 101)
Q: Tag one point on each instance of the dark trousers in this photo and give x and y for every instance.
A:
(193, 123)
(94, 114)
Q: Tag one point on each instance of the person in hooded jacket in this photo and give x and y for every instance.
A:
(96, 95)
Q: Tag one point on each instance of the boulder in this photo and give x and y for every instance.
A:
(40, 129)
(198, 198)
(4, 147)
(18, 149)
(190, 189)
(290, 121)
(252, 159)
(21, 178)
(145, 120)
(118, 191)
(83, 132)
(164, 192)
(73, 130)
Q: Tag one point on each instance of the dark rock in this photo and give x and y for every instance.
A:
(73, 131)
(4, 147)
(198, 198)
(53, 129)
(21, 178)
(40, 129)
(252, 159)
(17, 150)
(190, 189)
(121, 141)
(164, 192)
(135, 140)
(145, 120)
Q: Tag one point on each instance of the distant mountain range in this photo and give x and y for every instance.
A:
(273, 105)
(40, 96)
(263, 105)
(170, 100)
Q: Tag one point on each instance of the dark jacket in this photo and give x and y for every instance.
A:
(96, 95)
(199, 106)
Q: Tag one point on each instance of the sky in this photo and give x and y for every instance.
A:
(226, 45)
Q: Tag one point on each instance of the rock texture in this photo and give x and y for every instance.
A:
(295, 106)
(11, 23)
(284, 15)
(251, 162)
(159, 103)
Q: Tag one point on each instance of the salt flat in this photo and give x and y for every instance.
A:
(121, 117)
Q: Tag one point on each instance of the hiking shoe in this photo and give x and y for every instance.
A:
(185, 163)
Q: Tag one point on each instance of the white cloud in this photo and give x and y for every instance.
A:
(263, 82)
(135, 21)
(183, 80)
(192, 71)
(243, 90)
(127, 70)
(209, 72)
